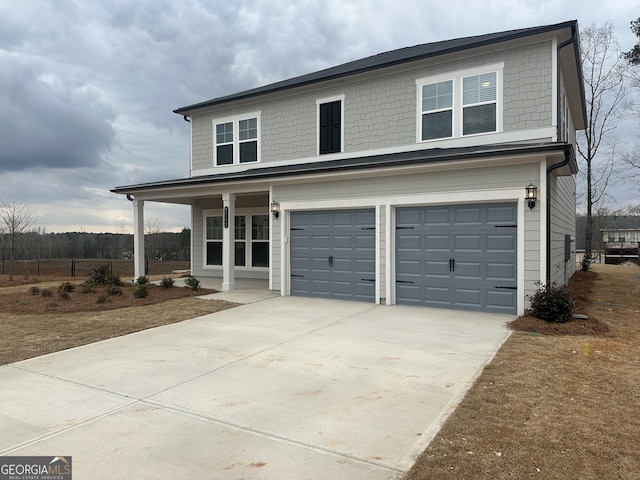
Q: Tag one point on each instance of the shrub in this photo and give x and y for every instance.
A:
(88, 286)
(102, 299)
(34, 290)
(46, 292)
(67, 287)
(114, 280)
(100, 274)
(193, 283)
(142, 280)
(166, 282)
(141, 291)
(64, 294)
(114, 290)
(552, 303)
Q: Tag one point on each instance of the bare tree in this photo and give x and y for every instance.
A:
(152, 227)
(15, 219)
(604, 76)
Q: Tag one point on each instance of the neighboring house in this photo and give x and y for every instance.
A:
(621, 245)
(396, 179)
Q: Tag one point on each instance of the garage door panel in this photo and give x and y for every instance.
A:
(458, 256)
(440, 268)
(436, 243)
(470, 243)
(470, 297)
(467, 216)
(438, 295)
(501, 271)
(469, 270)
(501, 243)
(501, 214)
(332, 252)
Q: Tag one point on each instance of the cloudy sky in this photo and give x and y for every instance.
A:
(87, 87)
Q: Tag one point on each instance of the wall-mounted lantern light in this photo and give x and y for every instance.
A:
(275, 209)
(531, 195)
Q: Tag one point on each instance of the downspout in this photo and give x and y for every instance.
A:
(550, 169)
(567, 152)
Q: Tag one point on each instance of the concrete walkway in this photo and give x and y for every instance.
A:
(283, 388)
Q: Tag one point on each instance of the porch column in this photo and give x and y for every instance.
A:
(228, 241)
(138, 238)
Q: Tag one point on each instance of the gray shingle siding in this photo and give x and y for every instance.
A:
(380, 112)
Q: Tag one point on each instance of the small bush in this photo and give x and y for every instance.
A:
(46, 292)
(114, 280)
(193, 283)
(142, 280)
(88, 286)
(64, 294)
(67, 287)
(102, 299)
(552, 303)
(114, 290)
(34, 290)
(141, 291)
(100, 274)
(166, 282)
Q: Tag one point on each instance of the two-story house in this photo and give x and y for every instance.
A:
(441, 174)
(621, 245)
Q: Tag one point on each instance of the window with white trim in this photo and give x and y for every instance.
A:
(213, 240)
(237, 140)
(461, 104)
(251, 240)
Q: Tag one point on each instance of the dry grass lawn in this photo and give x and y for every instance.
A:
(557, 405)
(32, 324)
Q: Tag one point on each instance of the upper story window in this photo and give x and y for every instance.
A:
(460, 104)
(330, 121)
(237, 140)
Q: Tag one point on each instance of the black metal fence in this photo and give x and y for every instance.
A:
(82, 267)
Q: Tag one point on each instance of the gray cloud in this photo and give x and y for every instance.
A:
(87, 87)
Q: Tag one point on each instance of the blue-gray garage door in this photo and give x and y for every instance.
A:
(333, 254)
(461, 257)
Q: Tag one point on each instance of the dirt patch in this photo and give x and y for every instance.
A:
(559, 405)
(32, 324)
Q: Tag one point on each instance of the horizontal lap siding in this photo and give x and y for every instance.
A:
(563, 222)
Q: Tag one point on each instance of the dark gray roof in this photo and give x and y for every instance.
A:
(382, 60)
(416, 157)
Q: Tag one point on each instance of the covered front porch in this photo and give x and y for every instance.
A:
(230, 233)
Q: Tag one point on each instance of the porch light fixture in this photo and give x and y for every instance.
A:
(531, 195)
(275, 209)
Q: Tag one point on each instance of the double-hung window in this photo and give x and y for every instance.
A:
(460, 104)
(237, 140)
(213, 240)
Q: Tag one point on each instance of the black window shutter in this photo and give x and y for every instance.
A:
(330, 127)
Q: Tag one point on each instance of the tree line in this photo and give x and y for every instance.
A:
(39, 245)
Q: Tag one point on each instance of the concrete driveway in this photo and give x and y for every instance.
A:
(283, 388)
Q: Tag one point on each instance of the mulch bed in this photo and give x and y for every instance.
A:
(580, 284)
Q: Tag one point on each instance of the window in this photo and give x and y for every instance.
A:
(330, 126)
(479, 104)
(241, 241)
(250, 243)
(213, 240)
(466, 103)
(437, 110)
(259, 240)
(237, 140)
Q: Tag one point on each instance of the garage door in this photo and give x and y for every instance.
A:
(333, 254)
(461, 257)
